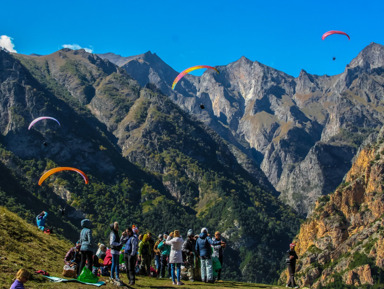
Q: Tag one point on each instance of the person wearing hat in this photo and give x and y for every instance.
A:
(291, 264)
(204, 250)
(189, 254)
(86, 249)
(156, 250)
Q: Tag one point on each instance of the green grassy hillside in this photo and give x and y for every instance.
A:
(22, 245)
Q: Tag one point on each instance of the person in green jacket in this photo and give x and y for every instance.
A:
(145, 255)
(165, 250)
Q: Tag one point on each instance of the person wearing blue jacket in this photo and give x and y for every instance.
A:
(204, 250)
(86, 248)
(130, 255)
(40, 220)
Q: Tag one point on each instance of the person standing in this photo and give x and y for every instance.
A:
(291, 264)
(151, 244)
(41, 219)
(189, 254)
(157, 254)
(145, 255)
(130, 255)
(176, 255)
(165, 250)
(204, 250)
(218, 252)
(114, 242)
(86, 243)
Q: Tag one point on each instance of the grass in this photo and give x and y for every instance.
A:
(22, 245)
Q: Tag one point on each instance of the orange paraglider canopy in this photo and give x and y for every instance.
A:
(59, 169)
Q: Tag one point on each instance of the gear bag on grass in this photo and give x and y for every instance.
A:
(87, 276)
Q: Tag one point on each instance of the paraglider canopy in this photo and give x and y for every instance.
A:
(331, 32)
(41, 118)
(186, 71)
(59, 169)
(333, 58)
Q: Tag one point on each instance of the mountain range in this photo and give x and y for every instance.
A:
(302, 132)
(251, 164)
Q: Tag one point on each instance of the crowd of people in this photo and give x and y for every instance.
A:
(141, 254)
(200, 257)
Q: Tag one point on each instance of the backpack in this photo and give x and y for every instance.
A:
(145, 250)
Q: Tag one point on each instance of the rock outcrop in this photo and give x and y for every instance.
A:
(342, 242)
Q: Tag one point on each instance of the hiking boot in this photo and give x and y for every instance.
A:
(180, 283)
(173, 283)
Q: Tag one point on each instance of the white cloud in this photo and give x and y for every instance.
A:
(6, 42)
(77, 46)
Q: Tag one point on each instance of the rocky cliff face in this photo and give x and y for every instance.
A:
(342, 242)
(291, 127)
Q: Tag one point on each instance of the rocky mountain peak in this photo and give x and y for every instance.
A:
(370, 57)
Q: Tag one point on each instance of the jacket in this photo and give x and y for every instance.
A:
(144, 247)
(86, 240)
(176, 255)
(293, 260)
(41, 222)
(217, 249)
(114, 241)
(72, 256)
(131, 245)
(156, 250)
(189, 247)
(203, 245)
(165, 249)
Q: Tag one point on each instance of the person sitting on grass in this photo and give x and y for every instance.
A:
(73, 258)
(22, 277)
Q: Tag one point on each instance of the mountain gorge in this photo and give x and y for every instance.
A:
(341, 244)
(302, 132)
(149, 162)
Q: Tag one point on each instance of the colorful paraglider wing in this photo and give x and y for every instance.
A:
(59, 169)
(41, 118)
(326, 34)
(181, 74)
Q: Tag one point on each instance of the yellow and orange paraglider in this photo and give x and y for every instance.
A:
(59, 169)
(184, 72)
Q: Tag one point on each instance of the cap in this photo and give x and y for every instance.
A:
(190, 232)
(292, 245)
(204, 229)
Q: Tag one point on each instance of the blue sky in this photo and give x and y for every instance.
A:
(283, 34)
